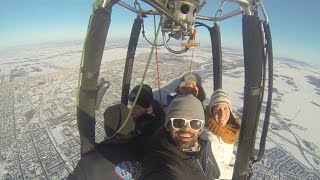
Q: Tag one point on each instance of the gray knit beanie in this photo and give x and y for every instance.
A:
(219, 96)
(185, 106)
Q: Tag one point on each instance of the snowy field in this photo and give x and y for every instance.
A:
(40, 84)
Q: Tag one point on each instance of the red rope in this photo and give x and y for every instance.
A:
(157, 62)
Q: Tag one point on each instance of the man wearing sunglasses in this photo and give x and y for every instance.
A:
(176, 151)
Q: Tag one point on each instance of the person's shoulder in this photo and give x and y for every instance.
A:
(159, 142)
(147, 125)
(116, 152)
(159, 111)
(157, 159)
(94, 158)
(209, 136)
(87, 165)
(92, 155)
(158, 104)
(158, 136)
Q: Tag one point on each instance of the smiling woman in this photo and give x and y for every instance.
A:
(222, 131)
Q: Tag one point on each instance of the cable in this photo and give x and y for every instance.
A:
(141, 84)
(145, 37)
(157, 63)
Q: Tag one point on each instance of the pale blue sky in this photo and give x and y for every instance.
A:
(294, 24)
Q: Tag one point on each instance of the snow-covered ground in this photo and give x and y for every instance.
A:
(54, 70)
(296, 94)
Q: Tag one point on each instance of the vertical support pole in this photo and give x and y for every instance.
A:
(92, 56)
(134, 37)
(270, 88)
(253, 57)
(216, 56)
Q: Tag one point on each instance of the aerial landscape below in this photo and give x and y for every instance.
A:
(39, 135)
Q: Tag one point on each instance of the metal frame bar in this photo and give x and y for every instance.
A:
(92, 55)
(131, 8)
(253, 59)
(216, 56)
(161, 8)
(133, 42)
(241, 2)
(263, 11)
(245, 8)
(269, 59)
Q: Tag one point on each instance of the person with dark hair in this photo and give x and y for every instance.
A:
(147, 112)
(176, 151)
(222, 130)
(120, 155)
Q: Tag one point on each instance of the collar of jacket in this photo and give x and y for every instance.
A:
(143, 120)
(188, 157)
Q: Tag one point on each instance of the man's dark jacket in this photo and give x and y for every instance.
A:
(163, 160)
(111, 161)
(117, 159)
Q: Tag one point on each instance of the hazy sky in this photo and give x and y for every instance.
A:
(294, 25)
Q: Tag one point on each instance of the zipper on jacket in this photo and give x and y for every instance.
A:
(200, 166)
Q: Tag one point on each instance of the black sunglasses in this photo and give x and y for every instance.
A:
(178, 123)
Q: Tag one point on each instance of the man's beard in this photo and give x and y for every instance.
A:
(183, 144)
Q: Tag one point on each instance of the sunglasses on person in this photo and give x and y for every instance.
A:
(178, 123)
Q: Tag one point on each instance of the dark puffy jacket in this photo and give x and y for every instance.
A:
(118, 159)
(163, 160)
(147, 125)
(158, 111)
(111, 161)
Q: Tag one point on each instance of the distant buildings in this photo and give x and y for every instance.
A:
(39, 136)
(278, 164)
